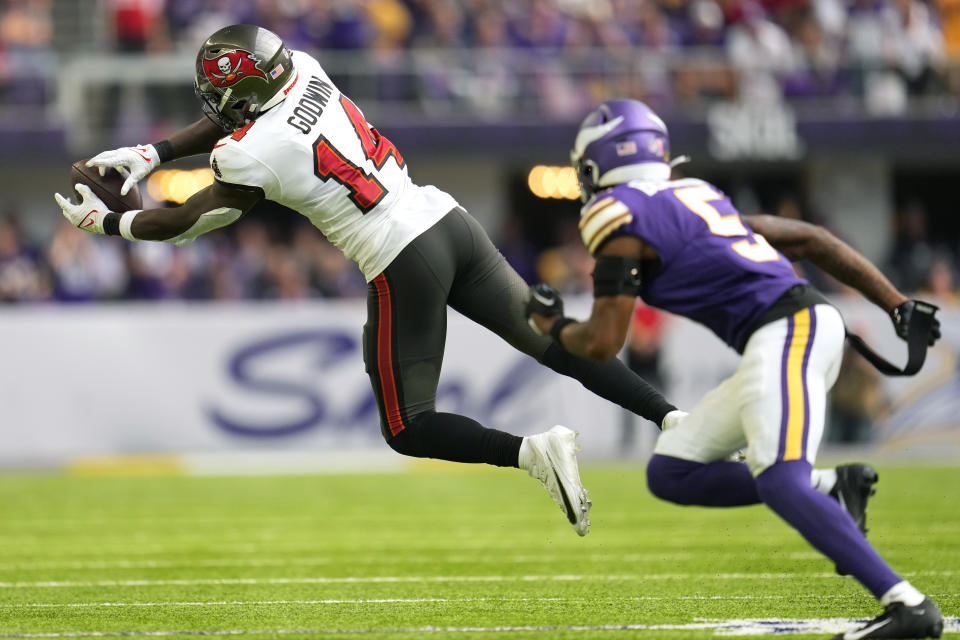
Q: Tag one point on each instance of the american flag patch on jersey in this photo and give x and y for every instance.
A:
(276, 71)
(626, 148)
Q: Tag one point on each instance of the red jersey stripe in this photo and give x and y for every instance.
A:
(385, 357)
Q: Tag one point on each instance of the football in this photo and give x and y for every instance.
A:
(106, 187)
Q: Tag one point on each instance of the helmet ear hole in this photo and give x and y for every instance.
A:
(588, 178)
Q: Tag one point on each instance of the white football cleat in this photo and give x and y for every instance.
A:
(553, 461)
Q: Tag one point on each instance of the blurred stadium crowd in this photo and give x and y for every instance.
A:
(671, 53)
(258, 260)
(244, 262)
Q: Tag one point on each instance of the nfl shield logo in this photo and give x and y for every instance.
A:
(626, 148)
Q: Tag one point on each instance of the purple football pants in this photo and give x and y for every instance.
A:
(785, 488)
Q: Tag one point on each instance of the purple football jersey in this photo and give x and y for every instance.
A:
(714, 269)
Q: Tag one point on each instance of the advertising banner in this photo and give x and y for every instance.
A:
(265, 387)
(245, 379)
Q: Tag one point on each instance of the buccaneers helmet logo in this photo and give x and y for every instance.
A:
(231, 67)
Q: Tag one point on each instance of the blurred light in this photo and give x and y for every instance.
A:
(535, 181)
(177, 185)
(553, 182)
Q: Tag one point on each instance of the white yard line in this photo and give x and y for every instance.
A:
(766, 626)
(335, 601)
(12, 553)
(336, 559)
(242, 603)
(433, 579)
(378, 559)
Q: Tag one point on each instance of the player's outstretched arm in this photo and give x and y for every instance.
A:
(216, 206)
(136, 163)
(804, 241)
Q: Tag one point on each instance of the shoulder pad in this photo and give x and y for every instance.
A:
(601, 217)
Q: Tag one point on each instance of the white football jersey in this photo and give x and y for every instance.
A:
(315, 153)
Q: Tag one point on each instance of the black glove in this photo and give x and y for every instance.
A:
(544, 300)
(901, 319)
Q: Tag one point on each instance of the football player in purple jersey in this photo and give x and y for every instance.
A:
(683, 247)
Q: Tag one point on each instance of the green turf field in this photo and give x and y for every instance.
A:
(479, 553)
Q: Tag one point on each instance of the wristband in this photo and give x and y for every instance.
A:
(164, 150)
(558, 327)
(126, 220)
(111, 224)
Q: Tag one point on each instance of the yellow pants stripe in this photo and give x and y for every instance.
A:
(796, 387)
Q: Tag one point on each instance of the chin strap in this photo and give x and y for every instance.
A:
(918, 331)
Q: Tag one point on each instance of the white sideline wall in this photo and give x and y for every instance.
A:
(223, 382)
(267, 387)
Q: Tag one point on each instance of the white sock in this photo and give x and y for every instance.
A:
(903, 592)
(823, 480)
(525, 458)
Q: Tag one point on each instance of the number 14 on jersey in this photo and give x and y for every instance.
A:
(366, 191)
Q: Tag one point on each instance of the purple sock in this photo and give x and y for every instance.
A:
(785, 488)
(717, 484)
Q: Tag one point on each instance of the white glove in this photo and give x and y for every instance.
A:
(89, 214)
(135, 163)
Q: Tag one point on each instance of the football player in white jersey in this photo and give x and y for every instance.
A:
(278, 128)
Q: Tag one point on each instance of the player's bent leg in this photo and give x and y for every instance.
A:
(551, 457)
(714, 484)
(689, 464)
(488, 291)
(785, 488)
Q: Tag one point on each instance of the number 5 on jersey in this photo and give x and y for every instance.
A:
(328, 163)
(755, 247)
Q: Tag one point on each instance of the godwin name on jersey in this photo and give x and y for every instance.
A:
(713, 268)
(316, 154)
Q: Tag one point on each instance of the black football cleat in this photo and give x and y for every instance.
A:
(900, 621)
(853, 489)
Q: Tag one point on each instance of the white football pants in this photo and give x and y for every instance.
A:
(775, 403)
